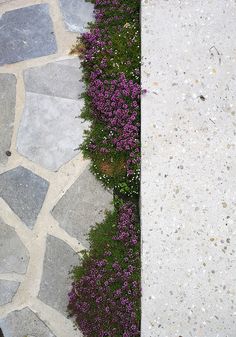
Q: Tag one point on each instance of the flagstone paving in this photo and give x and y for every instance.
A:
(52, 90)
(76, 14)
(24, 323)
(24, 192)
(7, 104)
(85, 203)
(7, 290)
(56, 281)
(48, 197)
(14, 257)
(26, 33)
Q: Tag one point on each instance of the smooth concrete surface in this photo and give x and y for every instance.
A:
(188, 168)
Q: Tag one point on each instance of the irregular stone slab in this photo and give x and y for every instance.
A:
(24, 192)
(82, 206)
(58, 261)
(62, 79)
(8, 290)
(24, 323)
(26, 33)
(7, 113)
(50, 132)
(14, 256)
(76, 14)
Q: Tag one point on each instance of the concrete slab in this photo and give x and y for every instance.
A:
(50, 132)
(14, 256)
(82, 206)
(24, 192)
(76, 14)
(26, 33)
(24, 323)
(7, 113)
(8, 290)
(62, 79)
(188, 168)
(58, 262)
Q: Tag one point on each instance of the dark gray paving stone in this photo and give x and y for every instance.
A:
(58, 261)
(76, 14)
(7, 113)
(82, 206)
(14, 256)
(8, 290)
(60, 79)
(24, 192)
(26, 33)
(50, 132)
(24, 323)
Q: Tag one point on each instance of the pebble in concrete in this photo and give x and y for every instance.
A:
(26, 33)
(81, 206)
(58, 261)
(76, 14)
(24, 192)
(50, 113)
(24, 323)
(8, 290)
(7, 113)
(13, 255)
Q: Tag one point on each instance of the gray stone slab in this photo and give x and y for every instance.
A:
(24, 192)
(188, 169)
(50, 132)
(58, 261)
(7, 113)
(24, 323)
(82, 206)
(8, 290)
(62, 79)
(76, 14)
(14, 256)
(26, 33)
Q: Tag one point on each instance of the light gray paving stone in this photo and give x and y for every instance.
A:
(26, 33)
(62, 79)
(14, 256)
(82, 206)
(24, 323)
(7, 113)
(8, 290)
(24, 192)
(50, 132)
(76, 14)
(58, 262)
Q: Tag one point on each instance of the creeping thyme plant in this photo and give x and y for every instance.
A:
(105, 295)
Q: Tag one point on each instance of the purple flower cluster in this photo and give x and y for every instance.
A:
(116, 103)
(114, 97)
(105, 299)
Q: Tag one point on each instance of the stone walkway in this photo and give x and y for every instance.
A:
(48, 198)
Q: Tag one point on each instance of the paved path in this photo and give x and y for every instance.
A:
(189, 166)
(48, 198)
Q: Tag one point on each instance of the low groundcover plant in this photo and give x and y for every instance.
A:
(105, 295)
